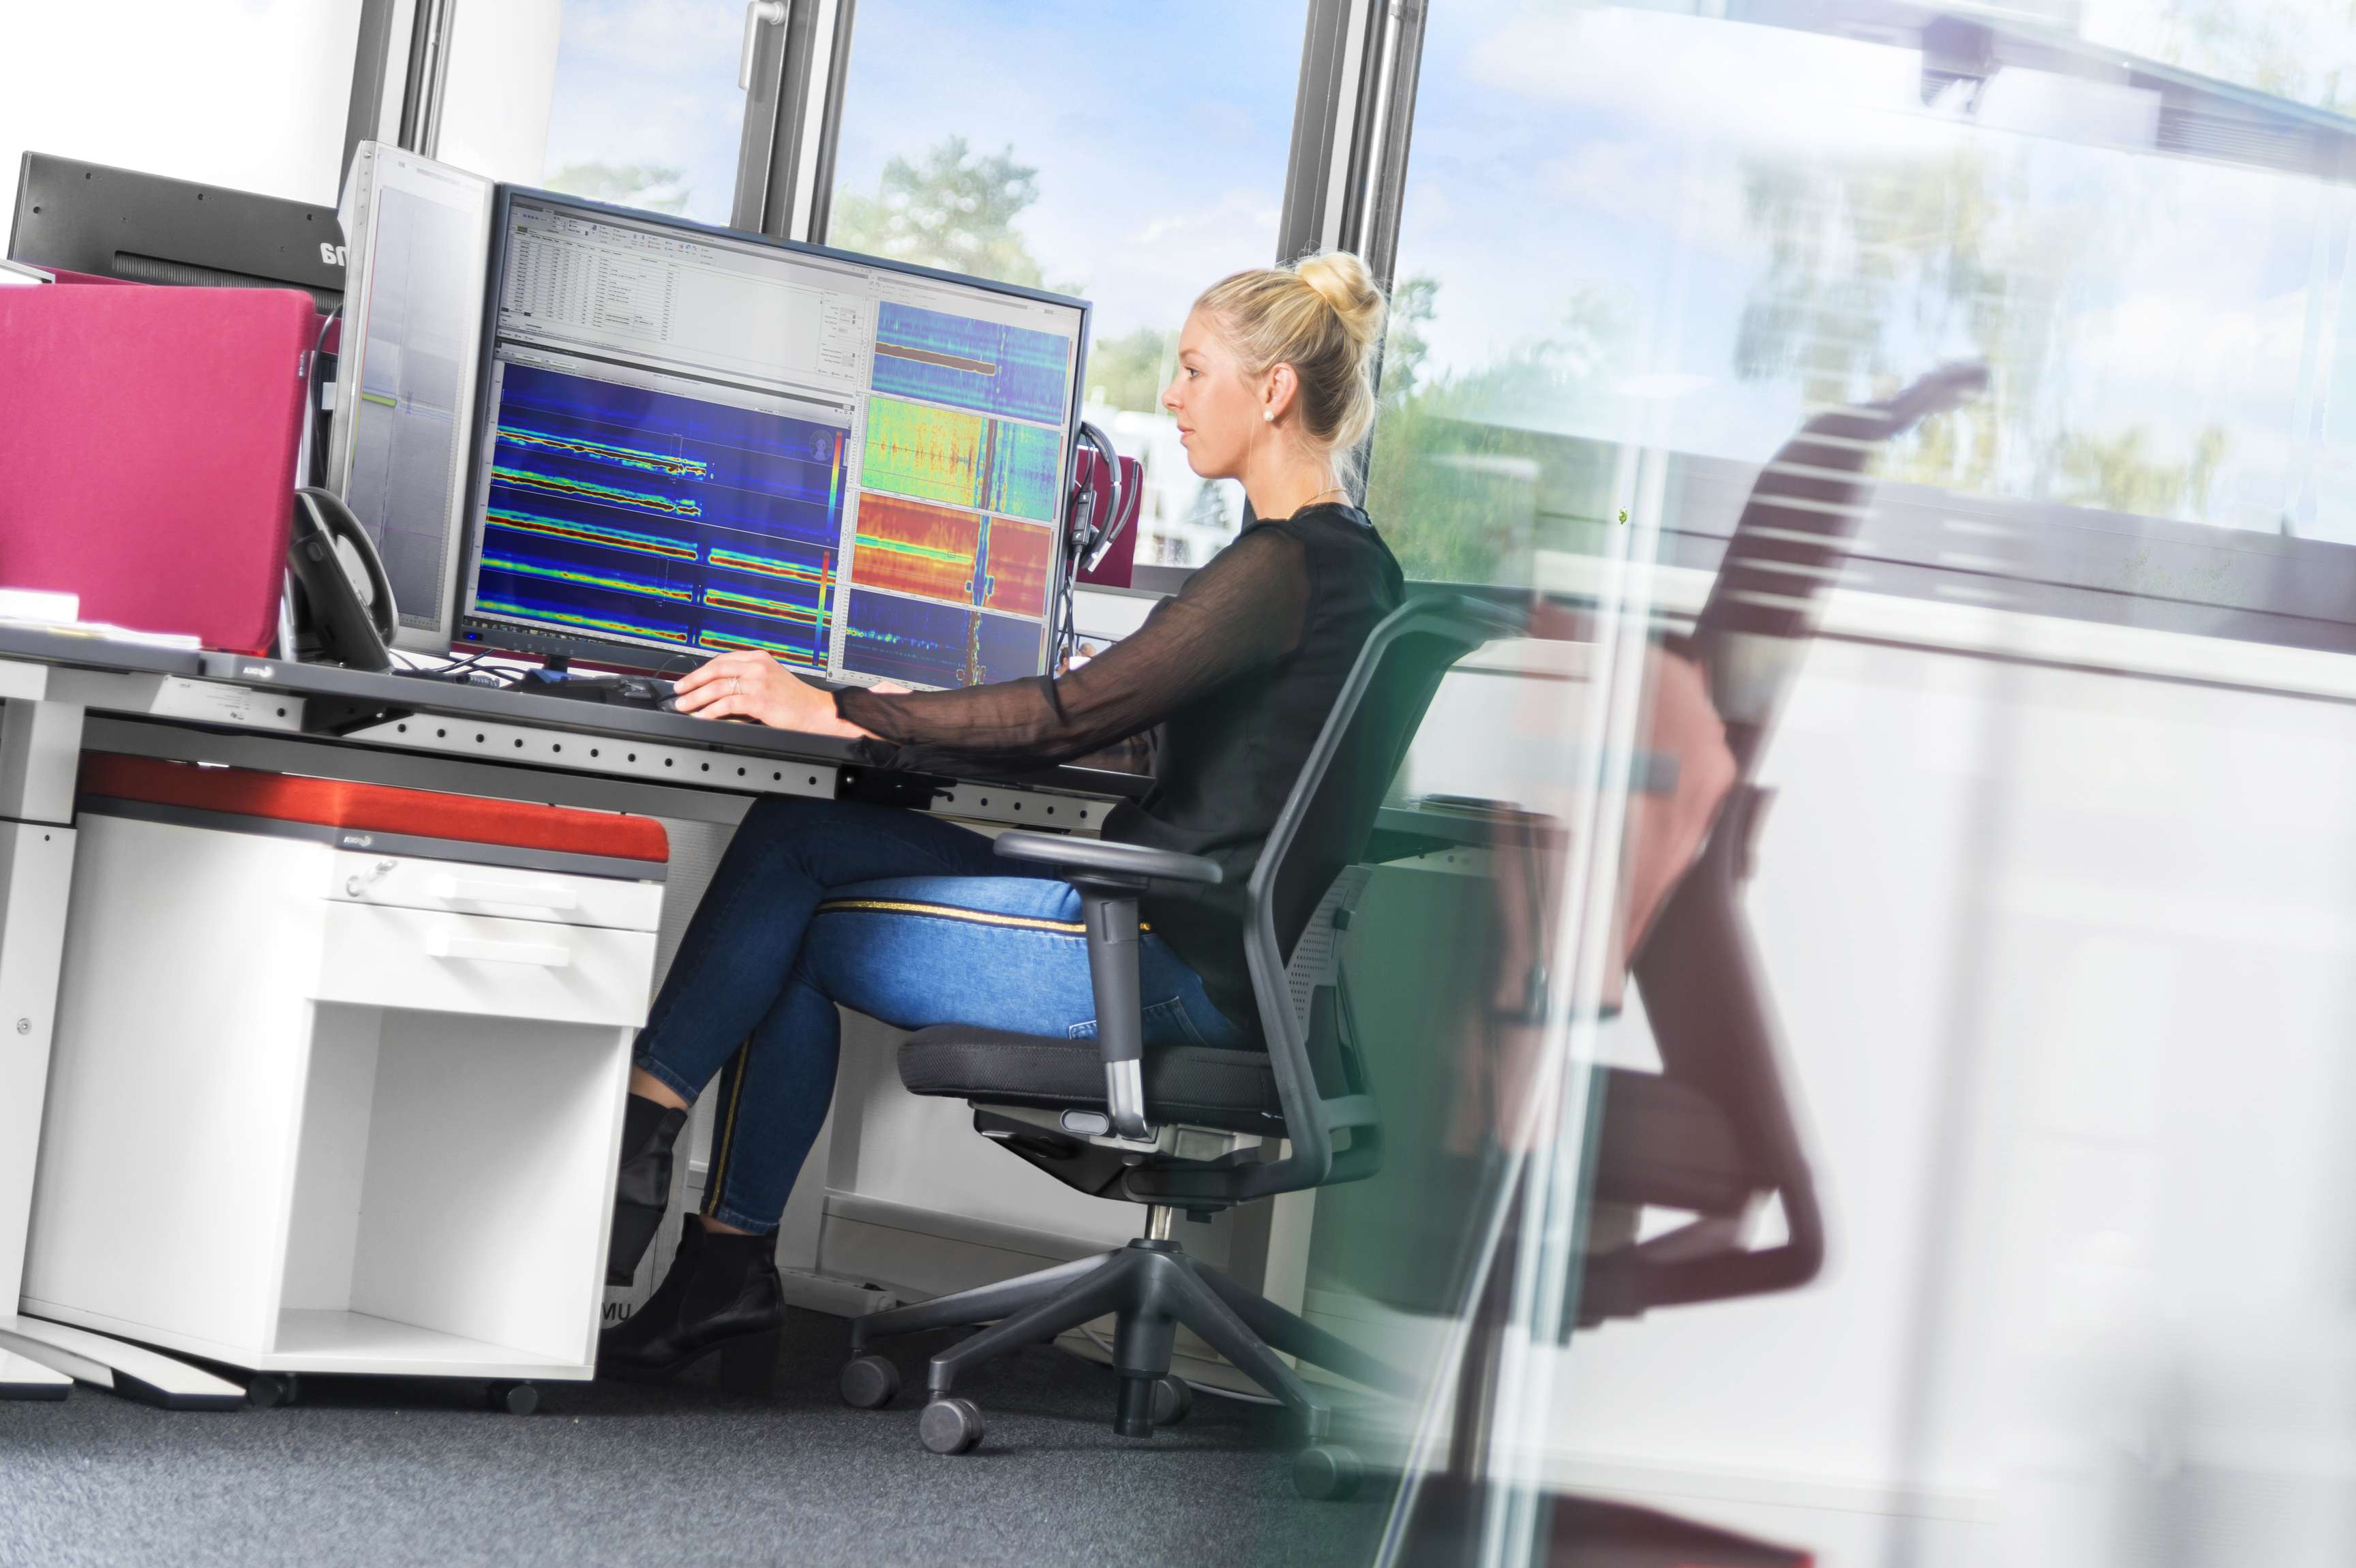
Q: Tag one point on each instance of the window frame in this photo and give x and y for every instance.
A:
(1346, 170)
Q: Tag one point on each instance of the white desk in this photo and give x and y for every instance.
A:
(60, 694)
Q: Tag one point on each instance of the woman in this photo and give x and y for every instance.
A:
(911, 918)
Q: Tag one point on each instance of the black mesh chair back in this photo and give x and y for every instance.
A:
(1323, 829)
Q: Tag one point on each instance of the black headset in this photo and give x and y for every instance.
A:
(1090, 543)
(1086, 543)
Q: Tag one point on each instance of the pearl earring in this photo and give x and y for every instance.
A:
(1269, 414)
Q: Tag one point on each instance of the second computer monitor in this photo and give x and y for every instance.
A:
(694, 441)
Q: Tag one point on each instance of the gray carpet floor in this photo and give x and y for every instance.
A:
(370, 1472)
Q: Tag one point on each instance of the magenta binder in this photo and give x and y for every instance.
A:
(147, 443)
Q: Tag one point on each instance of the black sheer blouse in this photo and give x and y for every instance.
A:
(1219, 696)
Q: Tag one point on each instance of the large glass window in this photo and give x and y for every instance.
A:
(1721, 227)
(1132, 155)
(645, 111)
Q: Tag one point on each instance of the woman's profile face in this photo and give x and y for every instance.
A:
(1216, 406)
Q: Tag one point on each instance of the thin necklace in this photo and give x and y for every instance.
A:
(1321, 495)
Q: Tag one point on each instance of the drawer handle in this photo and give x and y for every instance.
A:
(442, 944)
(526, 895)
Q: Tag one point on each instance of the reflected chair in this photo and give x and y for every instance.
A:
(1186, 1127)
(1713, 1133)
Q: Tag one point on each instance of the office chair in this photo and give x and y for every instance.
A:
(1713, 1135)
(1186, 1127)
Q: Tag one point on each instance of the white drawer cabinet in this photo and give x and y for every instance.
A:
(313, 1109)
(408, 882)
(476, 964)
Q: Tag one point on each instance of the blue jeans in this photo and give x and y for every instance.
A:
(896, 914)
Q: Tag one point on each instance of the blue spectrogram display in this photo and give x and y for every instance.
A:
(919, 642)
(966, 363)
(617, 512)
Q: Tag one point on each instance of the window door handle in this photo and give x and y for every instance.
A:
(755, 12)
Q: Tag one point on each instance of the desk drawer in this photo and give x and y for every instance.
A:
(384, 957)
(504, 892)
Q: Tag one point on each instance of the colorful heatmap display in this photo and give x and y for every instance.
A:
(957, 557)
(621, 511)
(920, 643)
(962, 460)
(966, 363)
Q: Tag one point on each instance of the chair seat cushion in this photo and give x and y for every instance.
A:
(1665, 1144)
(1193, 1085)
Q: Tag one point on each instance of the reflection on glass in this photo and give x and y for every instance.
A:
(1723, 225)
(646, 110)
(1007, 142)
(2016, 951)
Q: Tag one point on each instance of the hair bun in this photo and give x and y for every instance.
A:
(1342, 281)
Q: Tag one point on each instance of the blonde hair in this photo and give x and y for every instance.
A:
(1323, 316)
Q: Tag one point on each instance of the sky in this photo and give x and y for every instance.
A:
(1160, 132)
(652, 82)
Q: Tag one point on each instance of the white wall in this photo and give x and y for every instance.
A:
(2063, 963)
(246, 93)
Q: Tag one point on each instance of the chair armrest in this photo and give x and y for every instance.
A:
(1102, 858)
(1110, 878)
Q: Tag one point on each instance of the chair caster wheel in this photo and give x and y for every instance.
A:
(1171, 1400)
(516, 1399)
(870, 1382)
(950, 1426)
(1327, 1473)
(270, 1389)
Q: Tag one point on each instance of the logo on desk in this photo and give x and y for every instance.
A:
(357, 841)
(256, 671)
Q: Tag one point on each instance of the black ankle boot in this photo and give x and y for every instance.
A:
(722, 1294)
(648, 1131)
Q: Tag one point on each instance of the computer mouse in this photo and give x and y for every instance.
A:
(671, 705)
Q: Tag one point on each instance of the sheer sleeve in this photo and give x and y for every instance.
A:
(1241, 612)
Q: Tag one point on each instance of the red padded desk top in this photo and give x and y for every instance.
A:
(374, 808)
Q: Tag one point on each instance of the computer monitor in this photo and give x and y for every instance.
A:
(419, 236)
(120, 223)
(694, 440)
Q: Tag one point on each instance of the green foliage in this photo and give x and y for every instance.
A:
(2117, 474)
(955, 210)
(652, 188)
(1413, 304)
(1131, 371)
(1465, 478)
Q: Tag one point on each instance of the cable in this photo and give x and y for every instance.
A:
(317, 424)
(1198, 1388)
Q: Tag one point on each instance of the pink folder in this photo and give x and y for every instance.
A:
(147, 442)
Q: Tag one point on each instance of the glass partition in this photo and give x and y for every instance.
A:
(1928, 436)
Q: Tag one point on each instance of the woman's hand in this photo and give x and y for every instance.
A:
(755, 686)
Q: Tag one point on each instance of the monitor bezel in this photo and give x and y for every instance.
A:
(471, 633)
(77, 216)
